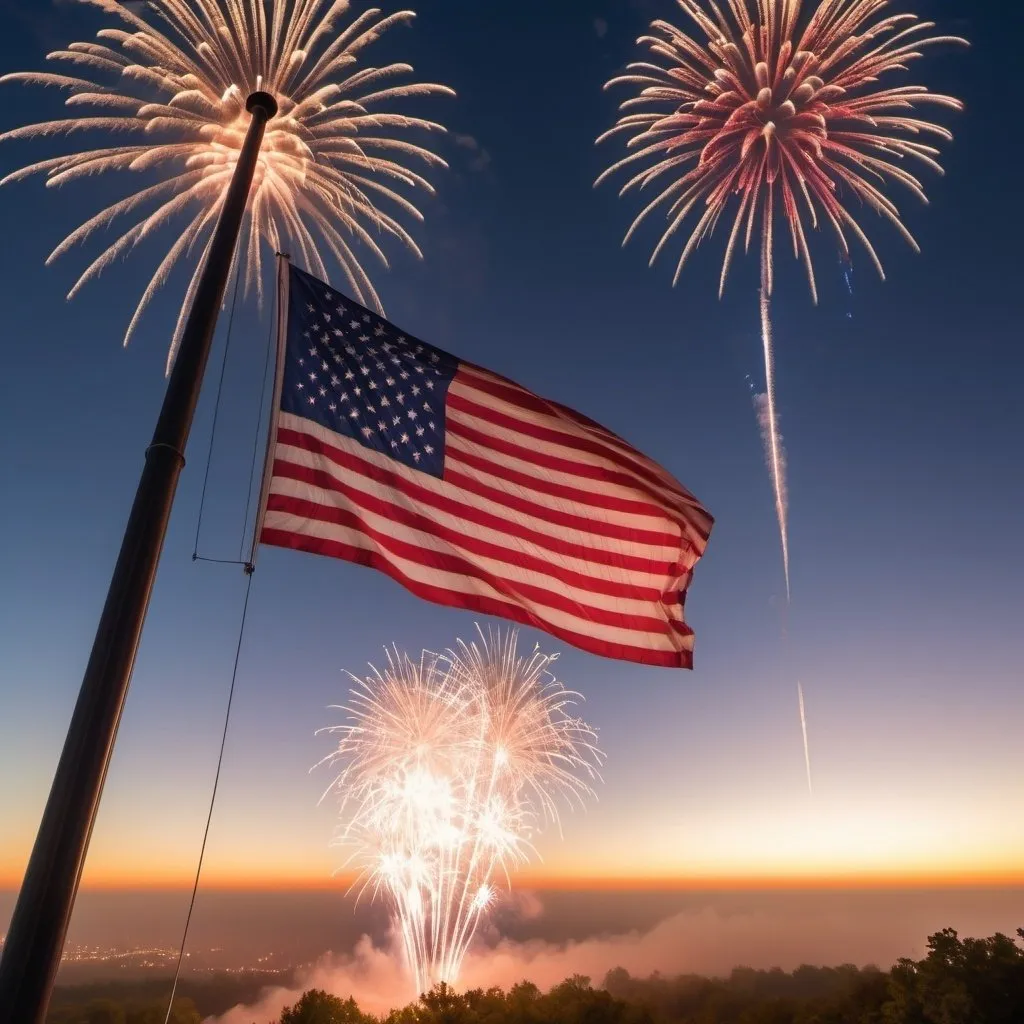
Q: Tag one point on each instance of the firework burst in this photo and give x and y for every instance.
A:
(447, 769)
(776, 111)
(333, 161)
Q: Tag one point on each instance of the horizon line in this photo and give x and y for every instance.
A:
(613, 883)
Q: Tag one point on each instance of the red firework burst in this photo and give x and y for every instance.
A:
(778, 109)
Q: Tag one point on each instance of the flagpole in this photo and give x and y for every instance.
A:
(35, 939)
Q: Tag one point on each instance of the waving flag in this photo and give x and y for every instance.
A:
(468, 489)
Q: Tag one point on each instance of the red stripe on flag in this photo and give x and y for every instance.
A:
(475, 602)
(509, 391)
(564, 467)
(415, 521)
(545, 485)
(459, 566)
(599, 440)
(470, 513)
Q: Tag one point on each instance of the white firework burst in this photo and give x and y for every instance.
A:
(447, 768)
(173, 78)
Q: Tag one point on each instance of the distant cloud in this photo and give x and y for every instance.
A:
(600, 27)
(481, 159)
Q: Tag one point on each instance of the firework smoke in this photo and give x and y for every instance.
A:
(176, 85)
(447, 769)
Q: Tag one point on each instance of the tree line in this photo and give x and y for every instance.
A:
(958, 981)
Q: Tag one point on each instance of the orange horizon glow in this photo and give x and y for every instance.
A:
(596, 883)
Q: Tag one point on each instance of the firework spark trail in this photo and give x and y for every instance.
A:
(775, 454)
(334, 154)
(780, 107)
(781, 112)
(803, 729)
(447, 768)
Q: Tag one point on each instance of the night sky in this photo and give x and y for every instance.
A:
(902, 425)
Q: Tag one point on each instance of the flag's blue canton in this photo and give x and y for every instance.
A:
(355, 374)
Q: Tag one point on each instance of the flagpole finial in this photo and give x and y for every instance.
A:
(262, 100)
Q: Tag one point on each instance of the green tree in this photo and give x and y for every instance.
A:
(444, 1005)
(960, 981)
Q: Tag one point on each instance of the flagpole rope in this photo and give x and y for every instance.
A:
(213, 795)
(216, 413)
(249, 570)
(256, 439)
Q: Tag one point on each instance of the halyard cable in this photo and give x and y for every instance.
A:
(213, 795)
(256, 439)
(249, 570)
(216, 412)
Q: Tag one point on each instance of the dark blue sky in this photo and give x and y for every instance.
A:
(906, 484)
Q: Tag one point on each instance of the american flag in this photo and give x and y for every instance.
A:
(470, 490)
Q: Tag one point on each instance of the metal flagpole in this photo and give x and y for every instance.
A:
(35, 938)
